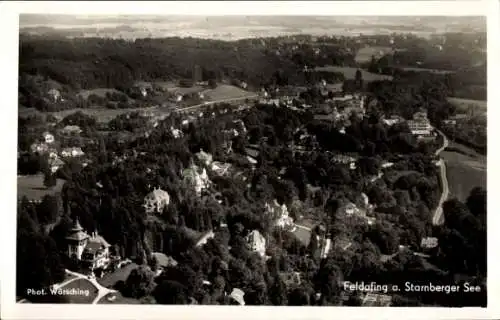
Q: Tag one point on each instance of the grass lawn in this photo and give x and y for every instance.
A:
(225, 91)
(350, 73)
(303, 235)
(32, 187)
(81, 284)
(464, 171)
(365, 54)
(465, 103)
(102, 115)
(101, 92)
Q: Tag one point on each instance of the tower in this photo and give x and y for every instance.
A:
(76, 240)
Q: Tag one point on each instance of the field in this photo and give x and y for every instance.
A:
(32, 187)
(225, 91)
(365, 54)
(101, 92)
(465, 170)
(102, 115)
(435, 71)
(464, 103)
(350, 72)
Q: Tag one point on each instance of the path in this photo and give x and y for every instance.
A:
(101, 291)
(437, 218)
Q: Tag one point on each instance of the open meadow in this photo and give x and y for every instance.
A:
(465, 169)
(350, 73)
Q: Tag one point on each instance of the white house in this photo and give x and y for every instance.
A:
(48, 137)
(156, 201)
(204, 157)
(280, 215)
(54, 94)
(92, 251)
(72, 152)
(257, 242)
(197, 177)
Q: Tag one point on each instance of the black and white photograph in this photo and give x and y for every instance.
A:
(251, 160)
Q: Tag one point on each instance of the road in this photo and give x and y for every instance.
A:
(437, 218)
(208, 103)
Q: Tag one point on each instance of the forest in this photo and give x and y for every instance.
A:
(107, 195)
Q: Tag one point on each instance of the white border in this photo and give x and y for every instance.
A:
(8, 76)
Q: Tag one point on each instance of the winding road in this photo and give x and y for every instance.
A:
(437, 218)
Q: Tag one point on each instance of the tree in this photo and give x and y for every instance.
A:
(170, 292)
(139, 283)
(49, 180)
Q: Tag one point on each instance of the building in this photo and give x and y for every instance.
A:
(156, 201)
(72, 152)
(69, 130)
(205, 158)
(55, 164)
(54, 94)
(197, 177)
(92, 251)
(280, 215)
(237, 296)
(204, 239)
(257, 242)
(48, 137)
(376, 300)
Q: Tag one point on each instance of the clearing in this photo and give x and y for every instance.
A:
(365, 54)
(225, 91)
(32, 187)
(103, 115)
(100, 92)
(350, 73)
(464, 170)
(464, 103)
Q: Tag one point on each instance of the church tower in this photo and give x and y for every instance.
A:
(76, 240)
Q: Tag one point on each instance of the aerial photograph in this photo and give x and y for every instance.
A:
(252, 160)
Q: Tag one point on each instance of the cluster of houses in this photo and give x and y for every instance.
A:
(47, 146)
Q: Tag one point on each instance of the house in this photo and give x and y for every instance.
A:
(92, 251)
(156, 201)
(376, 300)
(291, 279)
(176, 132)
(237, 296)
(163, 261)
(39, 148)
(204, 239)
(55, 164)
(220, 168)
(48, 137)
(257, 242)
(54, 94)
(71, 130)
(205, 158)
(429, 242)
(72, 152)
(280, 215)
(197, 177)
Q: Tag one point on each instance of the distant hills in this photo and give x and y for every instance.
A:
(238, 27)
